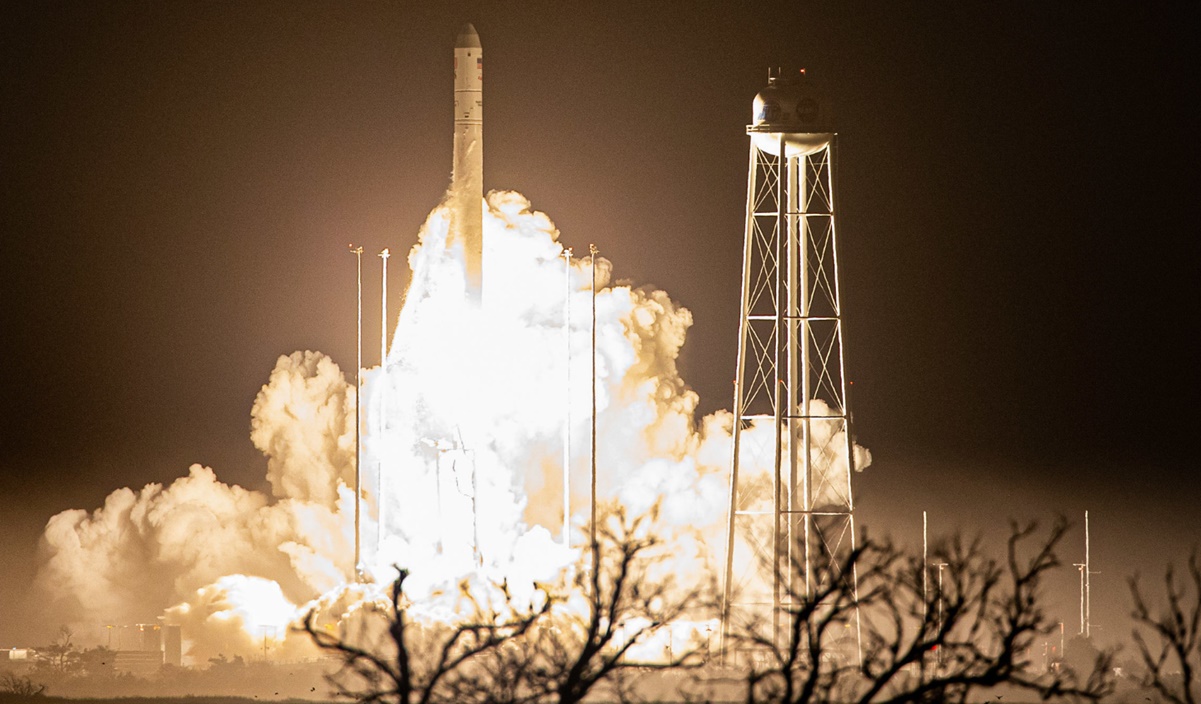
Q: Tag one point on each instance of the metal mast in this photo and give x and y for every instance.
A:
(1088, 596)
(383, 409)
(940, 566)
(1086, 626)
(925, 572)
(358, 418)
(567, 397)
(791, 522)
(383, 310)
(592, 252)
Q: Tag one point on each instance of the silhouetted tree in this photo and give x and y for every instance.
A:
(557, 645)
(20, 687)
(1169, 640)
(575, 638)
(916, 647)
(60, 656)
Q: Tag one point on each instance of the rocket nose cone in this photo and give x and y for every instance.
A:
(468, 38)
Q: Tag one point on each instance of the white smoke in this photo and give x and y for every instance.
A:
(303, 421)
(189, 542)
(462, 462)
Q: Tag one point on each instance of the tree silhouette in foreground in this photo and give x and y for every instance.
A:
(917, 646)
(20, 687)
(1171, 651)
(60, 656)
(557, 644)
(579, 636)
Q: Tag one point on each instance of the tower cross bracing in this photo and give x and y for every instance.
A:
(791, 509)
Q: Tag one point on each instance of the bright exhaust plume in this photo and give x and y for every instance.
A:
(464, 423)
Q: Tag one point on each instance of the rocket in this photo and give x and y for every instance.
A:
(467, 179)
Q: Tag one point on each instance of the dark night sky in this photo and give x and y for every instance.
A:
(1017, 228)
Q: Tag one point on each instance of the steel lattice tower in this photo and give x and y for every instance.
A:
(791, 519)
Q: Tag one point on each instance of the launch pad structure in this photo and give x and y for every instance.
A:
(789, 531)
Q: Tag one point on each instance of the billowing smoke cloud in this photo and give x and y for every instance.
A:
(463, 454)
(199, 542)
(303, 421)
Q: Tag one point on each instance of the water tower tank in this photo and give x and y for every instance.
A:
(792, 110)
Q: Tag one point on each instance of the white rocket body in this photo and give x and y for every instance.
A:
(467, 180)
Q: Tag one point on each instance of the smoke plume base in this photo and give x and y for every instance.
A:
(462, 457)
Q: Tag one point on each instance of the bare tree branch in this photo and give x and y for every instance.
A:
(1175, 630)
(915, 648)
(573, 637)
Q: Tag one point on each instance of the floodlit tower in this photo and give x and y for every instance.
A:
(1086, 597)
(791, 518)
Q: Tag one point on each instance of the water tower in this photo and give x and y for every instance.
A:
(791, 520)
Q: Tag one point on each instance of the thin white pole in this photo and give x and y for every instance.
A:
(380, 421)
(592, 493)
(383, 311)
(1087, 587)
(567, 397)
(925, 573)
(1081, 566)
(358, 416)
(940, 565)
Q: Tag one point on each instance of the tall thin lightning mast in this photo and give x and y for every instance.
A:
(383, 365)
(1081, 567)
(940, 565)
(592, 493)
(358, 416)
(925, 572)
(383, 310)
(1087, 587)
(567, 397)
(1086, 626)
